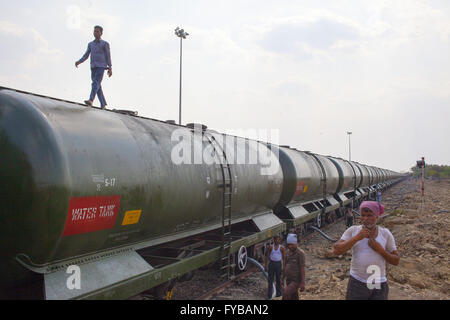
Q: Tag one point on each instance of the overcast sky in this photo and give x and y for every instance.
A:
(311, 69)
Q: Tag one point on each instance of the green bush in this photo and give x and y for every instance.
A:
(433, 170)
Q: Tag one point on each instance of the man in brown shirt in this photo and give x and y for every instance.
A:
(294, 269)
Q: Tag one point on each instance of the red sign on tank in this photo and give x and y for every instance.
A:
(88, 214)
(299, 188)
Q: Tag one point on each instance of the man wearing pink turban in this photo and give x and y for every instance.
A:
(371, 246)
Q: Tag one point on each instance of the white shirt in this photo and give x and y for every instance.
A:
(363, 256)
(275, 255)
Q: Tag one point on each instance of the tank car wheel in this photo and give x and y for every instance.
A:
(333, 216)
(259, 252)
(301, 231)
(330, 217)
(242, 258)
(160, 291)
(187, 276)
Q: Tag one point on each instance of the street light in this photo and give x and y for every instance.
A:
(182, 35)
(349, 147)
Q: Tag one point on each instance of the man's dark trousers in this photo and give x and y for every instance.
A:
(97, 77)
(274, 271)
(357, 290)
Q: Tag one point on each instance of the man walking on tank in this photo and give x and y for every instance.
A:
(371, 247)
(294, 269)
(100, 61)
(274, 257)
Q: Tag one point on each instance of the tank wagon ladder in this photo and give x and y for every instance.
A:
(227, 185)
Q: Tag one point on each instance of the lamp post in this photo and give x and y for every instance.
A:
(349, 147)
(182, 35)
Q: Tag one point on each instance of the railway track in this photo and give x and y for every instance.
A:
(226, 284)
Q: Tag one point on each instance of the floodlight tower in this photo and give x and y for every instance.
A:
(182, 35)
(349, 147)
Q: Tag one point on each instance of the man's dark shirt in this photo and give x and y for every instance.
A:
(293, 264)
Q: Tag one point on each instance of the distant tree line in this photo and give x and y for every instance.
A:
(433, 170)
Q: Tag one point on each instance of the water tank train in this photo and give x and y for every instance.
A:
(82, 185)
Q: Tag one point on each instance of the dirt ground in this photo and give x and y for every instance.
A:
(422, 239)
